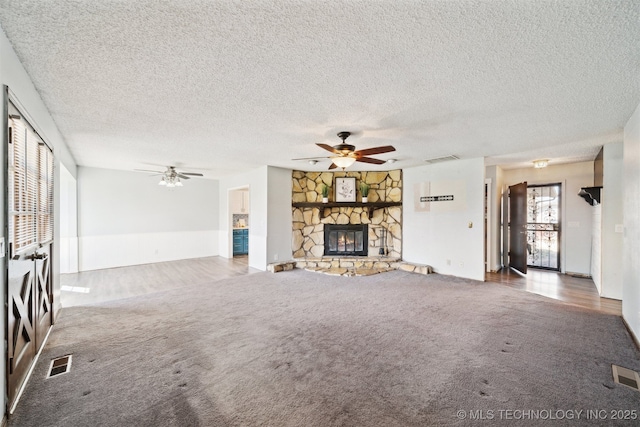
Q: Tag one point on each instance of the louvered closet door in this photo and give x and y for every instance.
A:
(30, 226)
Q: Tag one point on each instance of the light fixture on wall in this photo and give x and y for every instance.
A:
(343, 161)
(541, 163)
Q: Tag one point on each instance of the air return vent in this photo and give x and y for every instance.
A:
(59, 366)
(626, 377)
(441, 159)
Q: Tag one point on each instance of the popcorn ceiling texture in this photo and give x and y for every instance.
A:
(231, 86)
(308, 223)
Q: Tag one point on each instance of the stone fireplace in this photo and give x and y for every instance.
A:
(381, 215)
(346, 239)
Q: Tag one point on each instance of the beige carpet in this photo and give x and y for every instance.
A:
(306, 349)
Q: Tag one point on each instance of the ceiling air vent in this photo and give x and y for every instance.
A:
(441, 159)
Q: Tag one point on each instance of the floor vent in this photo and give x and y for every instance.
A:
(442, 159)
(59, 366)
(626, 377)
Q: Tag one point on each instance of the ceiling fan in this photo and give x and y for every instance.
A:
(171, 177)
(346, 154)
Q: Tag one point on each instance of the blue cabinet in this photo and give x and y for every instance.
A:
(241, 241)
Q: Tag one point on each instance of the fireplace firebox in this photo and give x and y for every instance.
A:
(346, 239)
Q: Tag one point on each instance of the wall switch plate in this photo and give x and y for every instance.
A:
(619, 228)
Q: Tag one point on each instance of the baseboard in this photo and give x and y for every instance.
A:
(4, 421)
(633, 336)
(578, 275)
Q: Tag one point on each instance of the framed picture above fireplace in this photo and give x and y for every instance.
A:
(345, 189)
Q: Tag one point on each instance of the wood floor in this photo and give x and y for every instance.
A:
(577, 291)
(89, 287)
(115, 283)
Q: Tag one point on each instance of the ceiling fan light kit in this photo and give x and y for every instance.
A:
(171, 177)
(343, 162)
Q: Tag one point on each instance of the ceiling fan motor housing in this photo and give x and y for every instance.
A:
(345, 148)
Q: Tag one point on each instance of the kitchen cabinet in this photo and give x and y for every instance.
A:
(240, 241)
(240, 202)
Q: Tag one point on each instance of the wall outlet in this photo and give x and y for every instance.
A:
(448, 262)
(461, 264)
(275, 257)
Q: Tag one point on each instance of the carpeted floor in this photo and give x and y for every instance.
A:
(305, 349)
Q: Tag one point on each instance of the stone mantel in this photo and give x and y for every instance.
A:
(368, 207)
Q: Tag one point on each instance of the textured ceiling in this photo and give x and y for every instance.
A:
(228, 86)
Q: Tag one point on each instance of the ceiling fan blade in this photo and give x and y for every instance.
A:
(179, 175)
(328, 148)
(311, 158)
(332, 166)
(146, 170)
(375, 150)
(370, 160)
(191, 173)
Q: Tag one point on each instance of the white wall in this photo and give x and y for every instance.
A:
(13, 75)
(631, 239)
(280, 234)
(596, 247)
(612, 220)
(256, 180)
(441, 237)
(125, 218)
(269, 214)
(576, 220)
(68, 222)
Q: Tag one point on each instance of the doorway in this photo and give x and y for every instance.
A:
(543, 226)
(239, 209)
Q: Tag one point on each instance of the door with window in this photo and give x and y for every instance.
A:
(543, 226)
(30, 241)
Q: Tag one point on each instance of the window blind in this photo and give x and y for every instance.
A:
(31, 184)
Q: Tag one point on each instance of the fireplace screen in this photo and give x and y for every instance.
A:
(345, 239)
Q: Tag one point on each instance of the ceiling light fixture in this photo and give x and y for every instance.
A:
(313, 162)
(541, 163)
(170, 179)
(343, 161)
(392, 160)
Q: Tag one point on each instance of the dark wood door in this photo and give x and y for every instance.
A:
(43, 294)
(21, 336)
(30, 236)
(518, 227)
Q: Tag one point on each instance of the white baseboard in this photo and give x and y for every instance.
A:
(109, 251)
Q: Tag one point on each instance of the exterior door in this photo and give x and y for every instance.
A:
(518, 227)
(30, 229)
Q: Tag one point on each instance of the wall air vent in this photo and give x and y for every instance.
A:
(441, 159)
